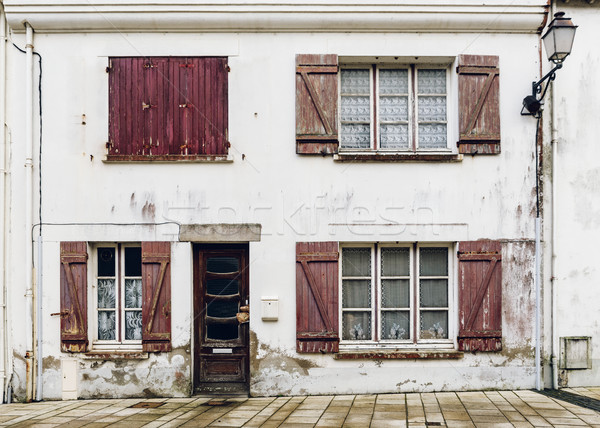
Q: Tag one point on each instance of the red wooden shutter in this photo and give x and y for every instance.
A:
(480, 296)
(317, 297)
(73, 296)
(479, 104)
(156, 292)
(316, 104)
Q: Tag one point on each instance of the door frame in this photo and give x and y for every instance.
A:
(198, 251)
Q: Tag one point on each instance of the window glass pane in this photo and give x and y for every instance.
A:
(222, 331)
(395, 261)
(222, 287)
(133, 261)
(434, 262)
(356, 293)
(106, 261)
(434, 293)
(432, 109)
(395, 325)
(395, 293)
(222, 264)
(356, 262)
(356, 109)
(434, 324)
(106, 325)
(106, 293)
(356, 136)
(432, 135)
(133, 325)
(133, 293)
(393, 81)
(355, 81)
(393, 109)
(431, 81)
(393, 136)
(222, 309)
(356, 325)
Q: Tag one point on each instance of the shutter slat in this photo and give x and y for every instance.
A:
(73, 296)
(316, 104)
(479, 104)
(480, 296)
(156, 285)
(317, 297)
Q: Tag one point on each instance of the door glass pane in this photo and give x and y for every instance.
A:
(222, 331)
(106, 261)
(395, 293)
(106, 325)
(356, 262)
(356, 325)
(222, 309)
(433, 293)
(395, 325)
(222, 287)
(395, 261)
(222, 264)
(133, 261)
(434, 324)
(133, 293)
(133, 325)
(356, 293)
(434, 262)
(106, 293)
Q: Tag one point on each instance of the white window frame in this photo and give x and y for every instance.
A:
(413, 124)
(414, 341)
(123, 344)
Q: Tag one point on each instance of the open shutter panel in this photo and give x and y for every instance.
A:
(73, 296)
(317, 297)
(316, 104)
(479, 104)
(156, 292)
(480, 296)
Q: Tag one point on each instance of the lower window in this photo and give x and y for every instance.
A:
(117, 295)
(397, 295)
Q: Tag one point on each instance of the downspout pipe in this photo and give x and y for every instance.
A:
(28, 215)
(3, 307)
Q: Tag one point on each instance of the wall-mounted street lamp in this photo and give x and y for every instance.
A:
(558, 41)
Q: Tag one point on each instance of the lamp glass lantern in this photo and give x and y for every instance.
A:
(558, 39)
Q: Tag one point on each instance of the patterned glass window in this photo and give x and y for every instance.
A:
(118, 294)
(397, 294)
(398, 109)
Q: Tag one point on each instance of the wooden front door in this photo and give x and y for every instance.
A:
(221, 356)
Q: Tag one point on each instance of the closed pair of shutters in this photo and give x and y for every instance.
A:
(317, 104)
(156, 293)
(479, 296)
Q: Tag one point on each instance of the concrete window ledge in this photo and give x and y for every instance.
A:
(397, 157)
(399, 355)
(115, 355)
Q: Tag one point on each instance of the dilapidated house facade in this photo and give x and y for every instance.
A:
(268, 198)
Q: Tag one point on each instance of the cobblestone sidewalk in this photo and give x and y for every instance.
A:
(445, 409)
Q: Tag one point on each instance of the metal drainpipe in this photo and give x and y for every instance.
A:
(3, 309)
(553, 279)
(28, 271)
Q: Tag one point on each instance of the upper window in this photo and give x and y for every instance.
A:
(396, 294)
(168, 108)
(400, 109)
(117, 296)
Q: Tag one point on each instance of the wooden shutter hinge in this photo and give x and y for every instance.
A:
(147, 106)
(149, 65)
(62, 314)
(227, 68)
(109, 69)
(186, 105)
(186, 65)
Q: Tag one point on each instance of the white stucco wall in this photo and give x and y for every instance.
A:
(295, 198)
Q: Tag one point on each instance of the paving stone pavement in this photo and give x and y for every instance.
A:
(480, 409)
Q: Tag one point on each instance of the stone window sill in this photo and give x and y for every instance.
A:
(399, 355)
(397, 157)
(115, 355)
(168, 159)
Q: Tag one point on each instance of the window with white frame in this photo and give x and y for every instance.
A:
(117, 295)
(396, 294)
(399, 108)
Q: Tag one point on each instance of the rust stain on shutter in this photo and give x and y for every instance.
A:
(73, 296)
(156, 292)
